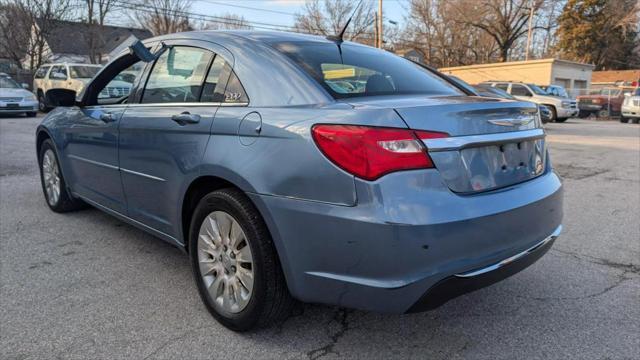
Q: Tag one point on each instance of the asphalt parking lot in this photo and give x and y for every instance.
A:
(85, 285)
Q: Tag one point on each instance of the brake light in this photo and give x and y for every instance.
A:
(370, 152)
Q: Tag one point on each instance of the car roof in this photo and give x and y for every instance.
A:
(265, 37)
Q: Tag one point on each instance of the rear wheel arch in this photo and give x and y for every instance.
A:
(196, 190)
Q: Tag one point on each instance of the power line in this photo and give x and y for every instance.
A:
(249, 7)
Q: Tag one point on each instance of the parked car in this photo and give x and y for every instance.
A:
(631, 107)
(15, 99)
(556, 90)
(282, 183)
(603, 102)
(494, 92)
(561, 109)
(60, 78)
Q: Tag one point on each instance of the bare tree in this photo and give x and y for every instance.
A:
(96, 13)
(26, 25)
(226, 22)
(163, 16)
(327, 17)
(432, 28)
(503, 20)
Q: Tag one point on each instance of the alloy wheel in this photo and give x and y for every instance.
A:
(51, 176)
(225, 262)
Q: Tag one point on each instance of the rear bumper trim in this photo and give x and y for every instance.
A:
(459, 284)
(513, 258)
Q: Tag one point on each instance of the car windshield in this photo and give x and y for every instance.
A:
(536, 89)
(83, 72)
(8, 83)
(557, 91)
(361, 71)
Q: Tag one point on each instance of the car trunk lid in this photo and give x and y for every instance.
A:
(492, 143)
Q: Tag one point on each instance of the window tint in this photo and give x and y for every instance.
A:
(41, 72)
(213, 90)
(503, 87)
(177, 76)
(519, 90)
(234, 92)
(362, 71)
(58, 73)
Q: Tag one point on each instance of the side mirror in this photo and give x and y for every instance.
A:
(61, 97)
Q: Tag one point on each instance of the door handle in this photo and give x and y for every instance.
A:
(186, 118)
(107, 117)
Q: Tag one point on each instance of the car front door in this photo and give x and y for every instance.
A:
(92, 151)
(164, 135)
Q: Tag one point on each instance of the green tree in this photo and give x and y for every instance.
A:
(601, 32)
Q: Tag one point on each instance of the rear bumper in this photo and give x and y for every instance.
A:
(408, 233)
(459, 284)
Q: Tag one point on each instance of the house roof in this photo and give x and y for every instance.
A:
(614, 76)
(68, 37)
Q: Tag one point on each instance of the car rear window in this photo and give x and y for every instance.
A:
(360, 71)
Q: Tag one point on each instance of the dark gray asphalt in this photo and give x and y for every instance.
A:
(87, 286)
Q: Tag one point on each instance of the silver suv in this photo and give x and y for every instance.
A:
(561, 108)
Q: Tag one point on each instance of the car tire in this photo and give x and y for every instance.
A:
(624, 120)
(582, 114)
(31, 114)
(222, 278)
(54, 186)
(604, 113)
(635, 120)
(42, 103)
(554, 114)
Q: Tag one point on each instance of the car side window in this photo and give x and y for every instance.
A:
(503, 86)
(42, 72)
(218, 89)
(519, 90)
(121, 84)
(213, 90)
(177, 76)
(234, 92)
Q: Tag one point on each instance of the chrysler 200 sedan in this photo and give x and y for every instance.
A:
(293, 167)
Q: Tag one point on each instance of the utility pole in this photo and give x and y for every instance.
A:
(529, 32)
(379, 44)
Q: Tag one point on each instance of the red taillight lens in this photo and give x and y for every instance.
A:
(370, 152)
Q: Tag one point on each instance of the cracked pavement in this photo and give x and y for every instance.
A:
(87, 286)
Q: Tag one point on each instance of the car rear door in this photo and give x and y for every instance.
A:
(164, 135)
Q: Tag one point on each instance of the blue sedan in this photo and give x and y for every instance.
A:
(293, 167)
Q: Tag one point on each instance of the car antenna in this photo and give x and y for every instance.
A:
(338, 39)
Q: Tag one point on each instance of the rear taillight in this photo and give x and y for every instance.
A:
(370, 152)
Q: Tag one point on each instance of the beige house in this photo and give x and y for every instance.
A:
(571, 75)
